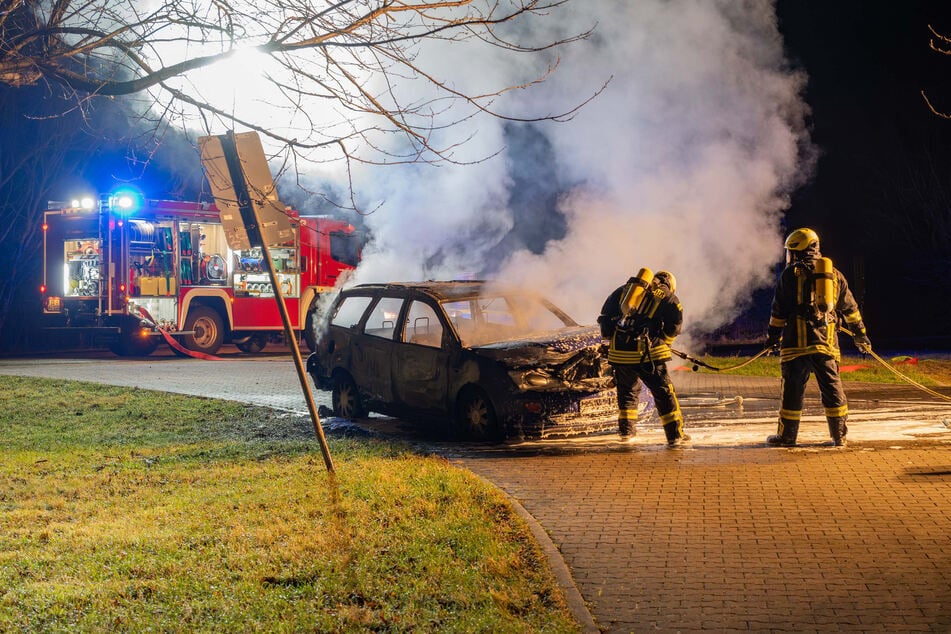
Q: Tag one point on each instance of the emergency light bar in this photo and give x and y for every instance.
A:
(86, 202)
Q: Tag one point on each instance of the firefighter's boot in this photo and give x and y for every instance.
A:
(675, 434)
(785, 435)
(626, 420)
(838, 429)
(626, 431)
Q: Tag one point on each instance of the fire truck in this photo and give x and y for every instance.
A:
(141, 272)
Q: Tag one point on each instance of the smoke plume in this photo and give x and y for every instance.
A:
(684, 163)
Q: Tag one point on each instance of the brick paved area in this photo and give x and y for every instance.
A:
(746, 538)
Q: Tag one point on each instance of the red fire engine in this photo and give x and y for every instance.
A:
(142, 271)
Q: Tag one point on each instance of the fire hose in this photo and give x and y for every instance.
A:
(698, 362)
(894, 371)
(170, 340)
(869, 351)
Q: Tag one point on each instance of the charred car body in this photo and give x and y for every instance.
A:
(488, 361)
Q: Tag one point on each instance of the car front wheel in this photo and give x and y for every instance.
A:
(475, 416)
(346, 398)
(310, 332)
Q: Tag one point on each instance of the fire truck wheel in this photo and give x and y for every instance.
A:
(131, 343)
(253, 344)
(346, 397)
(208, 330)
(475, 416)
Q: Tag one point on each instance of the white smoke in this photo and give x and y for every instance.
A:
(684, 163)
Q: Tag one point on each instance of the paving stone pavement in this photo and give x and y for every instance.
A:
(746, 538)
(726, 535)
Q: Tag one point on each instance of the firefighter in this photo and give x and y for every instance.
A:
(811, 299)
(639, 322)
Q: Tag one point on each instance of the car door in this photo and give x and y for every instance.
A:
(420, 367)
(373, 350)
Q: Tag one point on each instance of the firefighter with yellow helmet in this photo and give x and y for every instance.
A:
(640, 319)
(811, 299)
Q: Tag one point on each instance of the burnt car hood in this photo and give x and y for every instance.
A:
(545, 349)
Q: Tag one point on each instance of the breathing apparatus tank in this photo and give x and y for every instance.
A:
(824, 289)
(635, 292)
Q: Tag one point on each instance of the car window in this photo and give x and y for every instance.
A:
(460, 314)
(350, 310)
(532, 315)
(382, 319)
(422, 325)
(496, 311)
(493, 318)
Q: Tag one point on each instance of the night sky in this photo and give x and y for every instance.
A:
(879, 196)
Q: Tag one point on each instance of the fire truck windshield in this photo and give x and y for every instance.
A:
(345, 247)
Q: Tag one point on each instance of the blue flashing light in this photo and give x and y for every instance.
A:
(125, 202)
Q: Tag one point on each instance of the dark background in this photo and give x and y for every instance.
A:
(879, 197)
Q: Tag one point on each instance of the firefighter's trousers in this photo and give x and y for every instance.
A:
(655, 377)
(795, 375)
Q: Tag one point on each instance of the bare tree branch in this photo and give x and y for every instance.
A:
(931, 107)
(359, 57)
(945, 40)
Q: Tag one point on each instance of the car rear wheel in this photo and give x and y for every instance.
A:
(475, 416)
(346, 397)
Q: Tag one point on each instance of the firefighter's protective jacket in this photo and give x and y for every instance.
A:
(646, 335)
(795, 319)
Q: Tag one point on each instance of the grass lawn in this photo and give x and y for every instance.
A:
(129, 510)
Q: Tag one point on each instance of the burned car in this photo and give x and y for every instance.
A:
(483, 361)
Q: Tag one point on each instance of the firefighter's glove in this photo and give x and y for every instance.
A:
(773, 339)
(863, 343)
(604, 348)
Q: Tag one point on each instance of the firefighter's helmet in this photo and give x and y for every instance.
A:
(802, 245)
(802, 239)
(666, 277)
